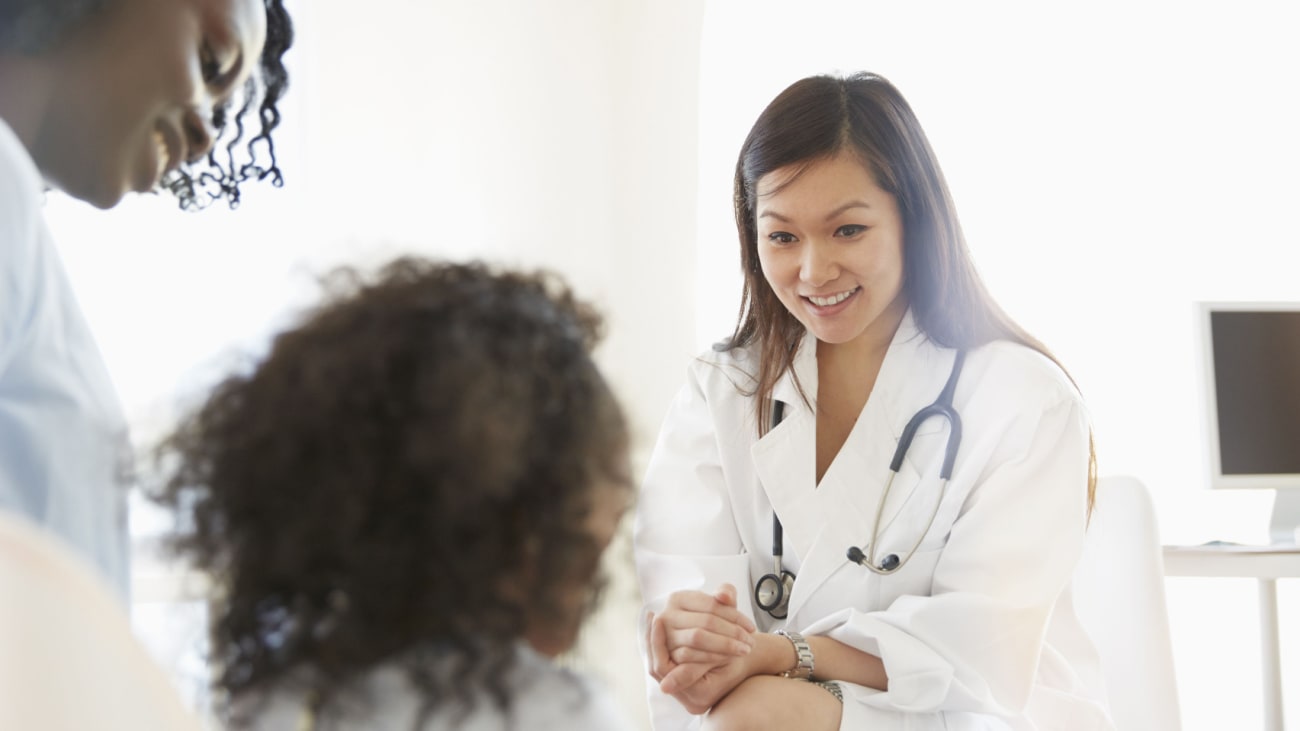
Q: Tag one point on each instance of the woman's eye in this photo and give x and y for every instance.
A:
(780, 237)
(214, 65)
(850, 230)
(208, 64)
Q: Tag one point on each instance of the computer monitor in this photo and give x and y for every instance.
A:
(1252, 375)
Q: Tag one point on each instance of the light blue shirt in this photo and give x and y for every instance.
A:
(65, 459)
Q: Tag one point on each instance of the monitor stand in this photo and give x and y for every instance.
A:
(1284, 527)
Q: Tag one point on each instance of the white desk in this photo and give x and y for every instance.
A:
(1267, 564)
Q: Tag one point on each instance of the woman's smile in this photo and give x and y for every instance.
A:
(832, 304)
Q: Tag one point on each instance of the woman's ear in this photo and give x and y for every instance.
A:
(520, 582)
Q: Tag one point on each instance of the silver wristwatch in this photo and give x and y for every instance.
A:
(803, 667)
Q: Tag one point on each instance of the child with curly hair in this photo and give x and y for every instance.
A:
(404, 504)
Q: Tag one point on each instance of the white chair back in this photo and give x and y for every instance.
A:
(1119, 595)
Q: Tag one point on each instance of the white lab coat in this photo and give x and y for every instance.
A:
(977, 630)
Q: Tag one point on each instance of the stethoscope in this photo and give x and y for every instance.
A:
(772, 591)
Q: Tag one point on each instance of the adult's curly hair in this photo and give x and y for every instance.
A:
(227, 165)
(31, 26)
(404, 478)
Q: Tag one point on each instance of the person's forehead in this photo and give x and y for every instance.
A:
(810, 177)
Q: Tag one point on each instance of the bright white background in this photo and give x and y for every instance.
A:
(1113, 163)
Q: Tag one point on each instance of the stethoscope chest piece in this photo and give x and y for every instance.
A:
(772, 592)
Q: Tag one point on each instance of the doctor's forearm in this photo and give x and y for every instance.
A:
(832, 660)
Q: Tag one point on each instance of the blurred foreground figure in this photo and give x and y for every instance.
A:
(99, 98)
(403, 507)
(68, 658)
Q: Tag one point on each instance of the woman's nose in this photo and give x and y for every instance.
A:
(818, 265)
(199, 135)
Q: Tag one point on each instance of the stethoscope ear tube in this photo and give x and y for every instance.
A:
(954, 419)
(942, 407)
(778, 538)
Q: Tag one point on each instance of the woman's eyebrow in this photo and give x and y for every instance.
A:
(769, 213)
(846, 207)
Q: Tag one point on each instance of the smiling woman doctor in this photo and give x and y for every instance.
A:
(805, 561)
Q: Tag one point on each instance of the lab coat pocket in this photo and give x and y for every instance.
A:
(914, 578)
(918, 517)
(917, 499)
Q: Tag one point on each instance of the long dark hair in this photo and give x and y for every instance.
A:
(814, 119)
(32, 26)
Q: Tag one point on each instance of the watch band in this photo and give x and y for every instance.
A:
(803, 666)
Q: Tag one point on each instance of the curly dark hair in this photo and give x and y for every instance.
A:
(30, 26)
(404, 477)
(226, 167)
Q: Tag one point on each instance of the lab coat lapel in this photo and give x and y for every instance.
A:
(910, 379)
(840, 513)
(784, 457)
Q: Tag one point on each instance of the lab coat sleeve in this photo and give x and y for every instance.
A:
(685, 534)
(973, 644)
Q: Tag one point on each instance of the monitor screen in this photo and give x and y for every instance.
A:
(1253, 364)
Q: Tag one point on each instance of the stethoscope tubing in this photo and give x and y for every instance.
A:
(772, 591)
(942, 408)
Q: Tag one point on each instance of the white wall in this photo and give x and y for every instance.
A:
(1113, 162)
(556, 135)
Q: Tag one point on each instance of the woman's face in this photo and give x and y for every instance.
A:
(135, 90)
(830, 243)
